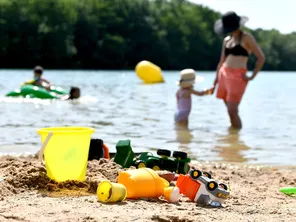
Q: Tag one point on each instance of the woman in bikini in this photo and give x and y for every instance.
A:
(232, 69)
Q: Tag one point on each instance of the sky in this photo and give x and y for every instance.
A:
(265, 14)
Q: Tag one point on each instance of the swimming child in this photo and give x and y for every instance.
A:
(74, 94)
(187, 79)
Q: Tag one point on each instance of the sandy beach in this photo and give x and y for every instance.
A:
(26, 194)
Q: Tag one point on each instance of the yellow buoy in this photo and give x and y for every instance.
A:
(149, 72)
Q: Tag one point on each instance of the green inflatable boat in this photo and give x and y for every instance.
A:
(31, 91)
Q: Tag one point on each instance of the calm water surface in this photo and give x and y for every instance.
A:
(119, 107)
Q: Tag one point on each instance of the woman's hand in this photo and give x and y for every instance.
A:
(212, 90)
(247, 78)
(209, 91)
(255, 48)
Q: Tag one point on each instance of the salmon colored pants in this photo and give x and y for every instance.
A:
(231, 85)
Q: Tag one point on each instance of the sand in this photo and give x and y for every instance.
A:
(26, 194)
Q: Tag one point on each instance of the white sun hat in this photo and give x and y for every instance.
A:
(188, 78)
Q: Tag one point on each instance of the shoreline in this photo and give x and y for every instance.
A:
(129, 70)
(26, 194)
(249, 165)
(193, 162)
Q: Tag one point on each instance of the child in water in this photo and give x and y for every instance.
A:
(187, 79)
(74, 94)
(39, 81)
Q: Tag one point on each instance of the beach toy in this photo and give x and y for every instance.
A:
(178, 164)
(98, 150)
(111, 192)
(126, 158)
(65, 152)
(30, 82)
(288, 190)
(145, 183)
(149, 72)
(106, 151)
(15, 93)
(31, 91)
(200, 188)
(124, 154)
(168, 176)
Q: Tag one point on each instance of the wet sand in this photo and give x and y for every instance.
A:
(26, 194)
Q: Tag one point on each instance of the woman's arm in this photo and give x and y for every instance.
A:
(255, 48)
(202, 93)
(222, 59)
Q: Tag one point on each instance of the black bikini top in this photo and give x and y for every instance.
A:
(237, 50)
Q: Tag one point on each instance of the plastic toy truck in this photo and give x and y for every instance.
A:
(200, 188)
(126, 158)
(124, 154)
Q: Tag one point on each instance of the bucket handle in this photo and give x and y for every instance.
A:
(41, 151)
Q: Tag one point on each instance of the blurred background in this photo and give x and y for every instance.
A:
(96, 44)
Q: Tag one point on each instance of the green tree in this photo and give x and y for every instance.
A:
(117, 34)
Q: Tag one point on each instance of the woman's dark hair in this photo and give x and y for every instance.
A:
(72, 90)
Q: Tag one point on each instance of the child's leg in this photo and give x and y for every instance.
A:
(183, 124)
(181, 119)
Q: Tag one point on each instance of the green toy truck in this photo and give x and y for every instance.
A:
(125, 157)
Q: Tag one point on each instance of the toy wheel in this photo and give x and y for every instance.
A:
(154, 165)
(164, 153)
(208, 175)
(179, 154)
(156, 168)
(212, 185)
(223, 185)
(140, 164)
(194, 174)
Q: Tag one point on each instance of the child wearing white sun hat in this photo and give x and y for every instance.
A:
(183, 95)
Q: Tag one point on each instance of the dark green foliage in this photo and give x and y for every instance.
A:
(117, 34)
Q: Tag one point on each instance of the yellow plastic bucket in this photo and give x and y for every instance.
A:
(111, 192)
(65, 152)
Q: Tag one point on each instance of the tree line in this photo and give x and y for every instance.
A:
(117, 34)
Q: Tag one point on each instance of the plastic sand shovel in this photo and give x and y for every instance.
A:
(288, 190)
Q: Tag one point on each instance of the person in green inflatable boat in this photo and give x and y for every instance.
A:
(38, 80)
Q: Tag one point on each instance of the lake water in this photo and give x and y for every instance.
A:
(119, 106)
